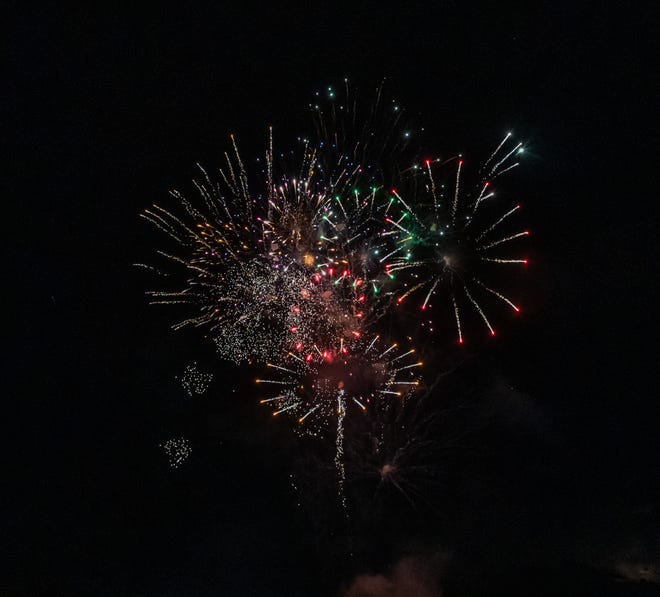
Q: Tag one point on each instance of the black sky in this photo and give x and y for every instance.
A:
(107, 109)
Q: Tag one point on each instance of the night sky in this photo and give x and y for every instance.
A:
(555, 486)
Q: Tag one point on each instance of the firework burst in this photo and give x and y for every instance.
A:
(252, 267)
(363, 138)
(322, 384)
(313, 384)
(450, 245)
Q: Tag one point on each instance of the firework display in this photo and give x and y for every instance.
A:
(292, 270)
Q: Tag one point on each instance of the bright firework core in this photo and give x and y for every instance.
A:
(387, 470)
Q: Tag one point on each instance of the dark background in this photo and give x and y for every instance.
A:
(109, 109)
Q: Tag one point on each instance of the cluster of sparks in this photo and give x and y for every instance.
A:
(194, 381)
(177, 451)
(295, 278)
